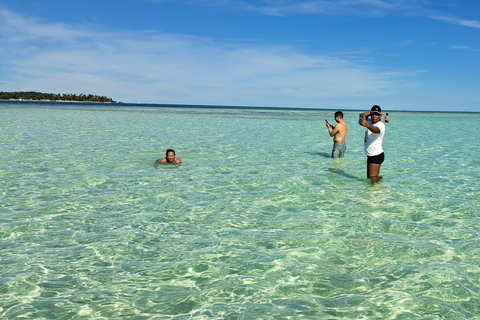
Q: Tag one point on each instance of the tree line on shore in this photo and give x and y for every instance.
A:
(32, 95)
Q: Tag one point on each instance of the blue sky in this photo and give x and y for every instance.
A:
(335, 54)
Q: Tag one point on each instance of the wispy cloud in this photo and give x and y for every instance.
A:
(363, 8)
(17, 28)
(459, 47)
(326, 7)
(457, 21)
(171, 68)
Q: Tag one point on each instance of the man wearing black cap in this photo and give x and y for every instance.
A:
(373, 141)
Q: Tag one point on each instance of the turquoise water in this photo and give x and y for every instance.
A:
(257, 223)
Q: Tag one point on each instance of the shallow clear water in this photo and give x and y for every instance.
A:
(258, 221)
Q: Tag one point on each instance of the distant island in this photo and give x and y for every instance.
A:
(39, 96)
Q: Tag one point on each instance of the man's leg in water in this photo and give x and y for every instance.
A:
(373, 172)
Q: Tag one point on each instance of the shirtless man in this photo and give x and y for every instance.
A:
(339, 133)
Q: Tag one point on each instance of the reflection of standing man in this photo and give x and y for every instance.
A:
(339, 134)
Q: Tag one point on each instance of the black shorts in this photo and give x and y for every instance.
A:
(378, 159)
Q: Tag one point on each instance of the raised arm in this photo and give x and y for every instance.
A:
(364, 122)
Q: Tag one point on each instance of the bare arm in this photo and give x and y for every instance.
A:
(332, 132)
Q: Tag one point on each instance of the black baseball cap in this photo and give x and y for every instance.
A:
(376, 110)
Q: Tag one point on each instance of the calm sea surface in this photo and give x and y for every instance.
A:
(257, 223)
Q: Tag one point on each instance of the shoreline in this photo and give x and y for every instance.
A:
(169, 105)
(64, 101)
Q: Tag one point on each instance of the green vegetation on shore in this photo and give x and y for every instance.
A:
(39, 96)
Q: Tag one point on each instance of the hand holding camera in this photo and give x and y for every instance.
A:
(361, 119)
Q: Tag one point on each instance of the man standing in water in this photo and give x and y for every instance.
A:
(373, 141)
(339, 134)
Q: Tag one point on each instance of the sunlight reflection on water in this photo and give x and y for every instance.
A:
(256, 223)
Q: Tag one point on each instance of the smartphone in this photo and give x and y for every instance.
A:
(361, 115)
(326, 121)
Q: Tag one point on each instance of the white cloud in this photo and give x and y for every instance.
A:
(326, 7)
(18, 28)
(459, 47)
(169, 68)
(457, 21)
(363, 8)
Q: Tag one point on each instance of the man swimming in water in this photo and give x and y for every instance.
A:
(339, 134)
(169, 157)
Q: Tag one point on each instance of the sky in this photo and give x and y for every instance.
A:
(414, 55)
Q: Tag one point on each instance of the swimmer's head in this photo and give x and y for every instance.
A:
(170, 155)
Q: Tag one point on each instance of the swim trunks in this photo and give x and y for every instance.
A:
(378, 159)
(338, 149)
